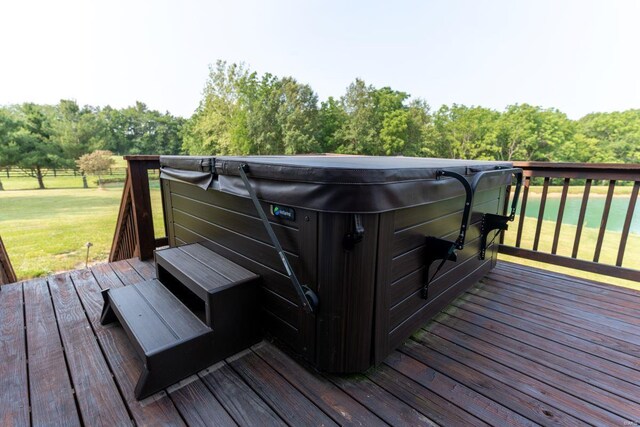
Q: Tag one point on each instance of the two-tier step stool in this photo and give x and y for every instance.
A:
(201, 309)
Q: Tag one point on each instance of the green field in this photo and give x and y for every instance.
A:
(45, 231)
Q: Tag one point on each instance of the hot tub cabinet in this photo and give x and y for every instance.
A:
(360, 232)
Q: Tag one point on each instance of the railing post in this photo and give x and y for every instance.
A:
(135, 235)
(141, 202)
(7, 275)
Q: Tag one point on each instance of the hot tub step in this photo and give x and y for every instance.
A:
(170, 340)
(230, 293)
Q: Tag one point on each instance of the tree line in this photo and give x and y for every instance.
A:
(242, 112)
(40, 138)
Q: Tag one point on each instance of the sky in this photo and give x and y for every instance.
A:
(577, 56)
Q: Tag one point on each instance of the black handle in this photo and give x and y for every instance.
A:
(500, 171)
(470, 191)
(468, 203)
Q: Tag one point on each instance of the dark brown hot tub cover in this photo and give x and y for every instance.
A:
(354, 184)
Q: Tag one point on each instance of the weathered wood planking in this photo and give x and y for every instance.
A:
(341, 407)
(619, 364)
(379, 401)
(51, 394)
(593, 320)
(242, 403)
(197, 405)
(422, 399)
(492, 357)
(289, 403)
(583, 367)
(523, 395)
(97, 395)
(477, 404)
(594, 402)
(14, 391)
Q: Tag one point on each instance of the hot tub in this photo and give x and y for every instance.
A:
(365, 235)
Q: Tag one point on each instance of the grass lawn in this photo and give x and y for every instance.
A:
(45, 230)
(587, 246)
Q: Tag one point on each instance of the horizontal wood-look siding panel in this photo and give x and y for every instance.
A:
(413, 259)
(284, 332)
(408, 284)
(233, 203)
(237, 222)
(410, 238)
(409, 217)
(414, 301)
(400, 307)
(255, 249)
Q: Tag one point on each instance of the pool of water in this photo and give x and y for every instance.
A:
(593, 215)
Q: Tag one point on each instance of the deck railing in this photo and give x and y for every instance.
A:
(135, 234)
(7, 275)
(585, 176)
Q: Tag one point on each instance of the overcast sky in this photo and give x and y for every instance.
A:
(578, 56)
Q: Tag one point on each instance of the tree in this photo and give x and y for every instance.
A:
(617, 135)
(244, 113)
(462, 132)
(29, 144)
(96, 163)
(359, 133)
(527, 132)
(379, 122)
(219, 125)
(8, 151)
(331, 118)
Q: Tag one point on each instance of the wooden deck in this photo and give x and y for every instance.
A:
(523, 347)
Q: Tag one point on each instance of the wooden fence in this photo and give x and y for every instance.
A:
(565, 173)
(13, 172)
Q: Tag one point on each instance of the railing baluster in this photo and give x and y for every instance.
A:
(563, 200)
(583, 211)
(592, 173)
(543, 202)
(605, 218)
(627, 222)
(523, 210)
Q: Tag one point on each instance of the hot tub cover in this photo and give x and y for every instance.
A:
(328, 183)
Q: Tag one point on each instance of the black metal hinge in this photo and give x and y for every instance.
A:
(491, 222)
(436, 249)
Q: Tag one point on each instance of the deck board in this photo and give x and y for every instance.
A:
(522, 347)
(52, 397)
(98, 398)
(14, 392)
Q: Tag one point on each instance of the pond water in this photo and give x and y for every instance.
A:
(593, 215)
